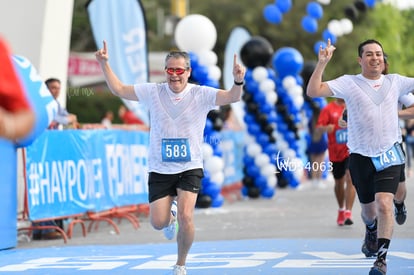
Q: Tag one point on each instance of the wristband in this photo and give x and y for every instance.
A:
(238, 83)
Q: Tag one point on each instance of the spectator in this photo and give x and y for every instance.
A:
(128, 117)
(63, 117)
(107, 119)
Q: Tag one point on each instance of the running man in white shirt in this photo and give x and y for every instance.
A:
(373, 139)
(178, 112)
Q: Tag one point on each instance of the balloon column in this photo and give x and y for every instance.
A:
(288, 63)
(197, 35)
(260, 98)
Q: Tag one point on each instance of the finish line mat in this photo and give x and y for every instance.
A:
(256, 256)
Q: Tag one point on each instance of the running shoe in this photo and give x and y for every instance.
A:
(379, 268)
(370, 245)
(171, 230)
(348, 218)
(180, 270)
(341, 217)
(400, 213)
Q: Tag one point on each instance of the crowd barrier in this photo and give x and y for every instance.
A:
(96, 175)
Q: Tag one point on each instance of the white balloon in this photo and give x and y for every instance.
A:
(347, 25)
(195, 32)
(253, 149)
(271, 98)
(207, 150)
(267, 85)
(324, 2)
(207, 58)
(268, 170)
(271, 181)
(259, 74)
(217, 178)
(261, 160)
(288, 82)
(296, 90)
(298, 101)
(214, 72)
(335, 27)
(214, 164)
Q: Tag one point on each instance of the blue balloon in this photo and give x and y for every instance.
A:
(287, 61)
(253, 129)
(315, 10)
(41, 100)
(326, 34)
(370, 3)
(267, 192)
(212, 190)
(209, 127)
(309, 24)
(217, 201)
(317, 46)
(272, 14)
(284, 5)
(253, 171)
(261, 182)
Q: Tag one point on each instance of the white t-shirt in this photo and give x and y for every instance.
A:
(373, 124)
(176, 116)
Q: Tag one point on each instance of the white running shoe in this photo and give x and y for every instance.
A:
(180, 270)
(171, 230)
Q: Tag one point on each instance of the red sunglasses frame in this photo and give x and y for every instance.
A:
(177, 71)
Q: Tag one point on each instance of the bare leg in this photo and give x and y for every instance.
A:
(186, 204)
(350, 192)
(401, 193)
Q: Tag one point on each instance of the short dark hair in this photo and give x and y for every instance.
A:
(50, 80)
(366, 42)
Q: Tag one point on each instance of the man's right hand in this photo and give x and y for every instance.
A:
(102, 54)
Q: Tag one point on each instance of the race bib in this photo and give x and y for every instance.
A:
(391, 157)
(175, 150)
(341, 136)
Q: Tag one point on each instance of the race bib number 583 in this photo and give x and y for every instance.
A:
(175, 150)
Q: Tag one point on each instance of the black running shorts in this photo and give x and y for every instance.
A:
(162, 185)
(339, 168)
(368, 181)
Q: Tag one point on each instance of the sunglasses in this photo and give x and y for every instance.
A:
(177, 71)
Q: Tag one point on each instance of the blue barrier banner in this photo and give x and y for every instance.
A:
(74, 171)
(231, 145)
(8, 191)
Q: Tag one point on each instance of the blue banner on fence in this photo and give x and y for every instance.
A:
(74, 171)
(231, 145)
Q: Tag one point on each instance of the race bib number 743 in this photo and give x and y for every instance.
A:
(175, 150)
(391, 157)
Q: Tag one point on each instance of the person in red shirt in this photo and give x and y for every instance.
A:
(16, 115)
(128, 117)
(339, 158)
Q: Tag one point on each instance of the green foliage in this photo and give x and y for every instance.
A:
(90, 105)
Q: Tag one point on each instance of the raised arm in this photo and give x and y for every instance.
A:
(234, 94)
(115, 85)
(317, 88)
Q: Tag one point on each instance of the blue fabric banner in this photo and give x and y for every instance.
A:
(122, 25)
(232, 147)
(74, 171)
